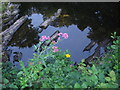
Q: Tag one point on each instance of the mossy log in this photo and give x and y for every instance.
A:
(8, 33)
(13, 19)
(47, 22)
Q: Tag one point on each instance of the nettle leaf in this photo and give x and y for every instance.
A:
(112, 74)
(77, 85)
(107, 79)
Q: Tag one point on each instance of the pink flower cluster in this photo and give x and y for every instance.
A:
(54, 42)
(55, 49)
(44, 38)
(64, 35)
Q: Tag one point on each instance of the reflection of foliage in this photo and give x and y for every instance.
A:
(25, 37)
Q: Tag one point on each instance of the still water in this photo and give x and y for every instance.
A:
(82, 21)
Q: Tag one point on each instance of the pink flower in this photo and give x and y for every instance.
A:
(53, 42)
(44, 38)
(60, 34)
(59, 38)
(55, 50)
(65, 35)
(47, 38)
(54, 47)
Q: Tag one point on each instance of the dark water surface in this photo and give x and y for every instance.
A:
(82, 21)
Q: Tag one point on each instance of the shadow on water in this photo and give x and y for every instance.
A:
(84, 22)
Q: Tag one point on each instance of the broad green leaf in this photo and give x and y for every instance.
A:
(90, 71)
(20, 73)
(83, 60)
(13, 86)
(94, 69)
(107, 79)
(101, 77)
(94, 79)
(77, 85)
(114, 79)
(56, 86)
(5, 81)
(84, 85)
(103, 85)
(112, 74)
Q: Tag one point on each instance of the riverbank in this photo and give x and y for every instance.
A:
(59, 72)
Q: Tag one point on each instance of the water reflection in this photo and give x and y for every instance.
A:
(102, 19)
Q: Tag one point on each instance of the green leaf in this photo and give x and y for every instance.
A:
(84, 85)
(114, 79)
(103, 85)
(13, 86)
(94, 79)
(77, 85)
(112, 74)
(5, 81)
(94, 69)
(83, 60)
(90, 71)
(107, 79)
(56, 86)
(20, 73)
(101, 77)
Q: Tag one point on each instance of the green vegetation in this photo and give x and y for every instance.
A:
(50, 69)
(3, 6)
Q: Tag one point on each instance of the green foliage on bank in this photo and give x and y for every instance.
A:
(3, 6)
(55, 70)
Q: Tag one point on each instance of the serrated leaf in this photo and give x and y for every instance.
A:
(107, 79)
(76, 85)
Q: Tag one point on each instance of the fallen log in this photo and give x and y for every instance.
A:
(13, 19)
(89, 46)
(47, 22)
(53, 37)
(96, 54)
(8, 33)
